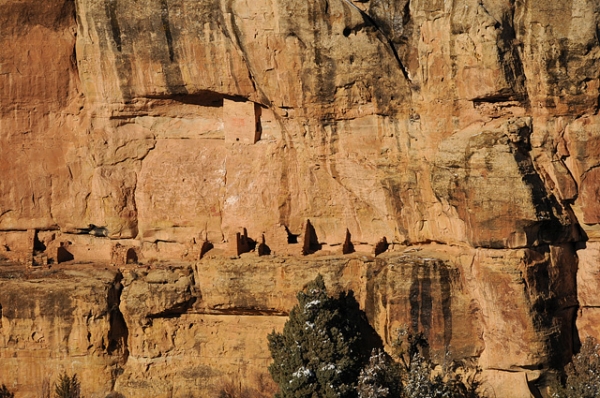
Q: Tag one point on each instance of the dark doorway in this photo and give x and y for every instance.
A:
(131, 257)
(63, 255)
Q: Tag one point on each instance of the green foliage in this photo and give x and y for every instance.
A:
(319, 353)
(380, 378)
(407, 347)
(5, 393)
(323, 354)
(413, 375)
(582, 375)
(67, 386)
(421, 378)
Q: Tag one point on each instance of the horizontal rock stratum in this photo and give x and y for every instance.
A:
(185, 166)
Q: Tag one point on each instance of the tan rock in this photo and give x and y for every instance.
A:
(179, 190)
(182, 328)
(241, 122)
(487, 174)
(506, 384)
(588, 275)
(58, 326)
(588, 319)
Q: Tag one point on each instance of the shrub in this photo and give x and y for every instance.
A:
(380, 378)
(67, 386)
(319, 353)
(5, 393)
(421, 378)
(582, 375)
(323, 352)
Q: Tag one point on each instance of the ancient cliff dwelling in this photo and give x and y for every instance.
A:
(173, 172)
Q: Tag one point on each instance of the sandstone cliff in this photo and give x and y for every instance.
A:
(461, 137)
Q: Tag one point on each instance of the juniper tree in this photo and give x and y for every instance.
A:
(67, 387)
(5, 392)
(321, 350)
(380, 378)
(419, 376)
(582, 374)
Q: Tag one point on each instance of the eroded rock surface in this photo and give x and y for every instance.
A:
(188, 330)
(188, 132)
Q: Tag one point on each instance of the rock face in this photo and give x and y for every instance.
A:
(182, 133)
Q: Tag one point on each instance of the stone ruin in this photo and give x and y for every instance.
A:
(44, 248)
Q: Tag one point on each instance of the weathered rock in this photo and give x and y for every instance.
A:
(53, 321)
(181, 329)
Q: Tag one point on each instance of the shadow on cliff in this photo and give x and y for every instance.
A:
(350, 309)
(118, 332)
(421, 299)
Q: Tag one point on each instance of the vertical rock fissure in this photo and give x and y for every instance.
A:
(111, 10)
(166, 26)
(123, 64)
(74, 65)
(236, 36)
(172, 70)
(426, 313)
(548, 228)
(386, 40)
(414, 299)
(118, 331)
(514, 71)
(446, 296)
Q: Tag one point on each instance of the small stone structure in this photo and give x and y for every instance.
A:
(35, 248)
(121, 254)
(241, 119)
(310, 242)
(348, 246)
(241, 243)
(262, 248)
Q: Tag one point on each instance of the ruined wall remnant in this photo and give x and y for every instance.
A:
(241, 121)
